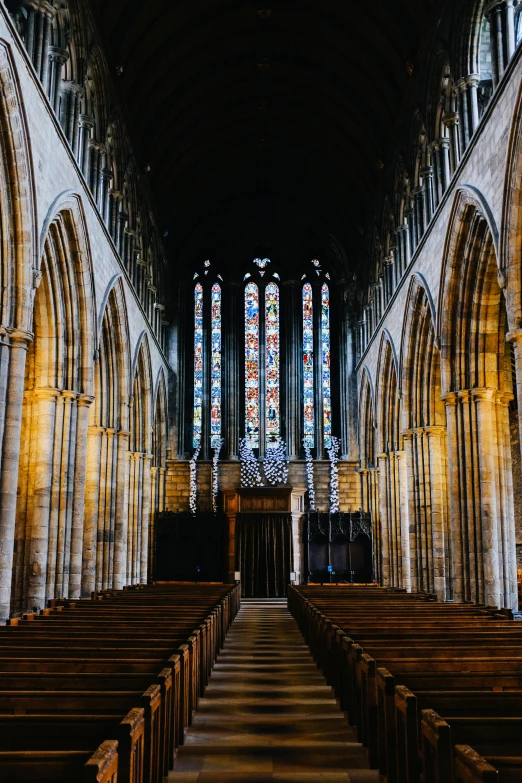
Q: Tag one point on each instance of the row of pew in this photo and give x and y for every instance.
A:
(434, 689)
(104, 689)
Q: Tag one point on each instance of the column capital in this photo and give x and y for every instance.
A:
(433, 430)
(58, 54)
(484, 394)
(426, 171)
(86, 121)
(84, 400)
(382, 457)
(68, 394)
(96, 428)
(473, 80)
(514, 336)
(110, 432)
(46, 393)
(444, 142)
(408, 434)
(123, 434)
(20, 337)
(450, 119)
(504, 398)
(464, 395)
(97, 145)
(450, 398)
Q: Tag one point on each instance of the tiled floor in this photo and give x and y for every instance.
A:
(267, 714)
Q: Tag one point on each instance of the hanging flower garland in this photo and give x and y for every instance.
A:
(215, 473)
(276, 463)
(250, 475)
(310, 476)
(333, 453)
(193, 482)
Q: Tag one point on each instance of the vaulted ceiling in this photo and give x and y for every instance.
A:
(248, 111)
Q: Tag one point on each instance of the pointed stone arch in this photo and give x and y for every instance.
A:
(140, 445)
(477, 390)
(369, 463)
(105, 529)
(390, 454)
(424, 435)
(18, 276)
(58, 393)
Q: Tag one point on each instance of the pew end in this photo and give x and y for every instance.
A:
(469, 767)
(102, 767)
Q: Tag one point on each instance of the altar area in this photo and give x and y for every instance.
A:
(264, 541)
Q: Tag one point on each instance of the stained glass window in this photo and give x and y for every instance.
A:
(272, 362)
(198, 364)
(308, 366)
(215, 367)
(261, 262)
(252, 364)
(327, 390)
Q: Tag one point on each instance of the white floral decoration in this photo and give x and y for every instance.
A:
(250, 475)
(310, 476)
(215, 473)
(276, 463)
(333, 453)
(194, 481)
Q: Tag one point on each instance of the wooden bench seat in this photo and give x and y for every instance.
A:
(61, 766)
(464, 661)
(57, 732)
(99, 703)
(69, 675)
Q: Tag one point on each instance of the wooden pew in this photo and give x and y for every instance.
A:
(78, 732)
(124, 646)
(55, 766)
(81, 703)
(439, 649)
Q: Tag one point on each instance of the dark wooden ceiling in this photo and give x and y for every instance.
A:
(244, 109)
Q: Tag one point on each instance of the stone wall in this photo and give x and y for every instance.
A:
(177, 486)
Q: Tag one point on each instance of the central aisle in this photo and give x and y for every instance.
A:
(267, 714)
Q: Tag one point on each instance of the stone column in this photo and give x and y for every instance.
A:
(83, 403)
(97, 152)
(507, 538)
(515, 337)
(492, 11)
(293, 370)
(435, 437)
(18, 343)
(383, 514)
(58, 57)
(106, 177)
(470, 514)
(91, 513)
(409, 469)
(484, 400)
(438, 186)
(42, 464)
(122, 512)
(444, 156)
(510, 29)
(145, 518)
(462, 103)
(426, 173)
(86, 124)
(451, 121)
(404, 520)
(473, 83)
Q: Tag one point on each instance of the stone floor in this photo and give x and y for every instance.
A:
(267, 714)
